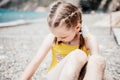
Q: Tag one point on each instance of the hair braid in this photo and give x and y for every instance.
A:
(53, 11)
(70, 19)
(82, 40)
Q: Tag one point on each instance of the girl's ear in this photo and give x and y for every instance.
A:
(78, 27)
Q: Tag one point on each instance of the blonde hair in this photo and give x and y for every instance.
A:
(65, 13)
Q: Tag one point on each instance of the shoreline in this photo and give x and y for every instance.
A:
(20, 22)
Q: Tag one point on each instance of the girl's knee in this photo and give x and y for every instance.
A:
(75, 61)
(97, 60)
(78, 55)
(76, 58)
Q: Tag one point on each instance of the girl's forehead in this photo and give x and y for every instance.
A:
(60, 31)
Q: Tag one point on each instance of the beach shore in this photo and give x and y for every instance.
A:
(19, 44)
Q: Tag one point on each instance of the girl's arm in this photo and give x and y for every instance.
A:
(42, 52)
(92, 45)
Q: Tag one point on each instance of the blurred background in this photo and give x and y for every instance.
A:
(87, 5)
(23, 26)
(17, 7)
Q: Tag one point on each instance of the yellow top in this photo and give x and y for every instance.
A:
(59, 51)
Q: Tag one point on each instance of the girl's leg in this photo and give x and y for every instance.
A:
(68, 67)
(95, 68)
(73, 66)
(55, 72)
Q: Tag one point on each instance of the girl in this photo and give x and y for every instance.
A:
(71, 45)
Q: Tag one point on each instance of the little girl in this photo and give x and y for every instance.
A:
(75, 52)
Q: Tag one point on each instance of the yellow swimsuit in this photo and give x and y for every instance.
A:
(59, 51)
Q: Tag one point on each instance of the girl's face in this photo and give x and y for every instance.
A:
(63, 34)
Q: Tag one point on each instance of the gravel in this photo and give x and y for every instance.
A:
(18, 45)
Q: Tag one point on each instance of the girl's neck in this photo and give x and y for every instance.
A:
(75, 41)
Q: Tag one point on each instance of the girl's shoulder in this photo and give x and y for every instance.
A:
(85, 31)
(50, 35)
(50, 38)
